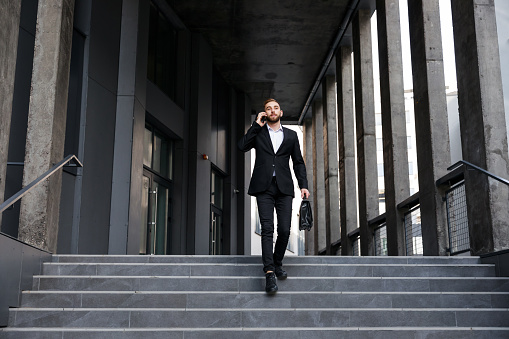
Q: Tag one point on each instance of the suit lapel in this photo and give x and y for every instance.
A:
(265, 132)
(286, 135)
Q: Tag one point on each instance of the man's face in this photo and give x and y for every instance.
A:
(274, 112)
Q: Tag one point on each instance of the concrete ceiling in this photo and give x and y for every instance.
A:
(267, 48)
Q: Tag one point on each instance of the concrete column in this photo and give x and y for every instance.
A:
(365, 127)
(39, 211)
(125, 215)
(311, 238)
(318, 177)
(9, 29)
(331, 164)
(397, 184)
(346, 146)
(432, 131)
(482, 122)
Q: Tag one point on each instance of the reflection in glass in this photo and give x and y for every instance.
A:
(147, 147)
(156, 165)
(161, 219)
(144, 214)
(216, 190)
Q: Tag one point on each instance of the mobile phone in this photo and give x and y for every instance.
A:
(264, 118)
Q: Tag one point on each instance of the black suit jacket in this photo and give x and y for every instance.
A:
(258, 137)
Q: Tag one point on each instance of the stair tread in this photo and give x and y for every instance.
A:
(349, 309)
(144, 329)
(327, 295)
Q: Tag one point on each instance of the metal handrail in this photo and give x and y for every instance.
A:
(466, 163)
(7, 203)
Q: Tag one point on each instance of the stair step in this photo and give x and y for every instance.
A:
(98, 296)
(236, 283)
(256, 318)
(77, 299)
(243, 333)
(236, 259)
(294, 270)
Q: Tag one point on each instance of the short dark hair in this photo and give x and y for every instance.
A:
(267, 101)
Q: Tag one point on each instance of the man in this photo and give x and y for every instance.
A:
(272, 184)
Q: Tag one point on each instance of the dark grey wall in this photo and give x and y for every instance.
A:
(72, 138)
(199, 144)
(501, 261)
(100, 126)
(243, 163)
(18, 263)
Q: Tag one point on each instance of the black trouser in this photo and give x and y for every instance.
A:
(267, 201)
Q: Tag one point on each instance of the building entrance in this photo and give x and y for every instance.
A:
(156, 198)
(216, 213)
(155, 211)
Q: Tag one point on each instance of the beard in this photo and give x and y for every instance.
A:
(273, 118)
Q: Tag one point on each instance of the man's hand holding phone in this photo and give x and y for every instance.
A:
(261, 119)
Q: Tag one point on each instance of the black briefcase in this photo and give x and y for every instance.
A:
(305, 216)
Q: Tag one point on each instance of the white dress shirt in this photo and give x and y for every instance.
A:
(276, 137)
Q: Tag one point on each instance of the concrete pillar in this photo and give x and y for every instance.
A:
(39, 211)
(432, 131)
(397, 184)
(331, 164)
(346, 146)
(365, 127)
(125, 215)
(482, 122)
(9, 29)
(311, 238)
(318, 177)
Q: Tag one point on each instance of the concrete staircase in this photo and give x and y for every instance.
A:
(222, 297)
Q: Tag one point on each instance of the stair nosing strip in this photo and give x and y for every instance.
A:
(149, 329)
(263, 293)
(260, 277)
(288, 309)
(255, 265)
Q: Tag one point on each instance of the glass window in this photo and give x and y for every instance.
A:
(162, 52)
(409, 142)
(156, 164)
(158, 152)
(378, 118)
(216, 191)
(410, 168)
(147, 147)
(380, 170)
(379, 144)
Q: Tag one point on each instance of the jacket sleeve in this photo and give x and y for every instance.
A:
(299, 167)
(248, 140)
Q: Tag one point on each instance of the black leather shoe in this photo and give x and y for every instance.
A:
(281, 273)
(270, 286)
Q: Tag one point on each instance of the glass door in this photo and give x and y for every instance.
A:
(216, 213)
(156, 204)
(216, 236)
